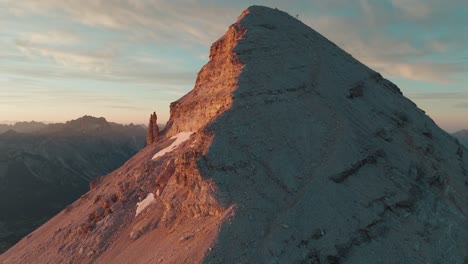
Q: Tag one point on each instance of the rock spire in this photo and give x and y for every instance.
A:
(153, 129)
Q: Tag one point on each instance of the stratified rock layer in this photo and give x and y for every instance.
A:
(212, 94)
(300, 154)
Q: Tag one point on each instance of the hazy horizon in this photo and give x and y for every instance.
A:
(12, 122)
(62, 60)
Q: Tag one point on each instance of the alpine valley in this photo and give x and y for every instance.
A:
(44, 168)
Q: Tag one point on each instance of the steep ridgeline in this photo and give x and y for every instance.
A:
(43, 171)
(287, 150)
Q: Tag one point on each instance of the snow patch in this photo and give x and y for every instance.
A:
(145, 203)
(179, 139)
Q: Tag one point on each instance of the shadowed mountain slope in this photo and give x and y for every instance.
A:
(287, 150)
(43, 171)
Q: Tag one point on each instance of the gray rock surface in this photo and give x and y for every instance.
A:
(318, 142)
(300, 154)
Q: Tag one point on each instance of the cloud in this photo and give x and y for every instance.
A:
(110, 64)
(413, 8)
(107, 48)
(51, 97)
(364, 28)
(161, 19)
(99, 63)
(51, 38)
(120, 75)
(440, 96)
(397, 42)
(422, 71)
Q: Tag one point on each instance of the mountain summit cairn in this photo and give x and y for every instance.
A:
(287, 150)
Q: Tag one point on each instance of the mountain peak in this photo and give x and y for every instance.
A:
(23, 127)
(287, 150)
(258, 11)
(263, 47)
(88, 123)
(89, 119)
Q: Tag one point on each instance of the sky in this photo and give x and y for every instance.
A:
(122, 59)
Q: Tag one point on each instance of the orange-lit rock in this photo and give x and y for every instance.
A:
(153, 129)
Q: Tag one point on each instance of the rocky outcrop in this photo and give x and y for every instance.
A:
(298, 153)
(153, 129)
(218, 79)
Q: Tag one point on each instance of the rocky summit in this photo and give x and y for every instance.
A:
(287, 150)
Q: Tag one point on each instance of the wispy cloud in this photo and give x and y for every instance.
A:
(161, 19)
(97, 62)
(415, 53)
(52, 97)
(367, 34)
(55, 38)
(413, 8)
(440, 96)
(109, 51)
(422, 71)
(125, 74)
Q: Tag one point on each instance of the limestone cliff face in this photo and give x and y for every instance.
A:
(215, 83)
(287, 150)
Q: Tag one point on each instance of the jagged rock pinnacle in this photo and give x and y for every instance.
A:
(153, 129)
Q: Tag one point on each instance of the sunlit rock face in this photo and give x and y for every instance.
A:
(288, 151)
(212, 94)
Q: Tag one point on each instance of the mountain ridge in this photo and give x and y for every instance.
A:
(30, 127)
(43, 170)
(297, 153)
(23, 127)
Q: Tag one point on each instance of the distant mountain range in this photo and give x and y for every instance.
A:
(43, 168)
(23, 127)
